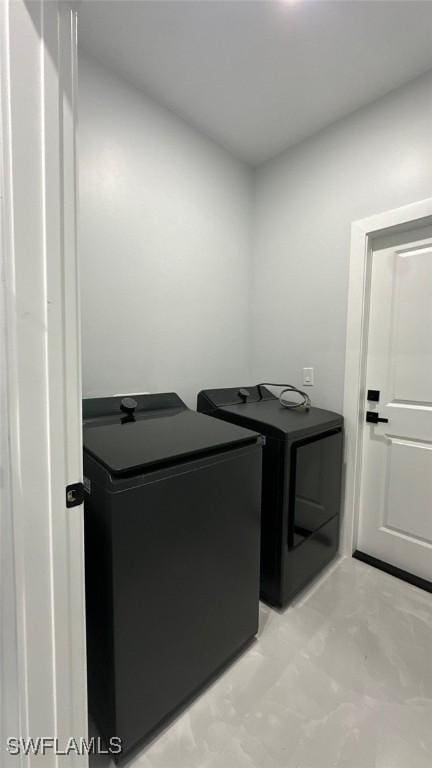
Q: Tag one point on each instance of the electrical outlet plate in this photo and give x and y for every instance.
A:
(308, 377)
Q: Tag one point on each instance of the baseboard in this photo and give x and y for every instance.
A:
(410, 578)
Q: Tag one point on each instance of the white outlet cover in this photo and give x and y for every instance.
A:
(308, 377)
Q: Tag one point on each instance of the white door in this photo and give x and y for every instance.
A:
(42, 636)
(395, 523)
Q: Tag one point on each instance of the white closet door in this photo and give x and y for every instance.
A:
(396, 494)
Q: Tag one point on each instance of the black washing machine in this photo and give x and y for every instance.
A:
(301, 484)
(172, 539)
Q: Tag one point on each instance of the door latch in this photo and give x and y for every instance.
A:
(74, 494)
(372, 417)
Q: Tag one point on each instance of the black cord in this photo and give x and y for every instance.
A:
(305, 401)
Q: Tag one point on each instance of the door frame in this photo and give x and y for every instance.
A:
(43, 688)
(363, 234)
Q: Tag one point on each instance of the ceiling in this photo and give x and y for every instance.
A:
(259, 76)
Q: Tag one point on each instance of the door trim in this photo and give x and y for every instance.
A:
(45, 685)
(363, 233)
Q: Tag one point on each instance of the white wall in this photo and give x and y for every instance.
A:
(377, 159)
(166, 237)
(164, 247)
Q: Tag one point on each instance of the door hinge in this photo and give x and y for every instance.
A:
(74, 494)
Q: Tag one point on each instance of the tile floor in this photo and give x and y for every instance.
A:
(341, 679)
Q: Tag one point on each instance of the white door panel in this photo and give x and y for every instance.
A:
(409, 466)
(410, 346)
(396, 494)
(408, 421)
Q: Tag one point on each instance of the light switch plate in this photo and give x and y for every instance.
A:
(308, 377)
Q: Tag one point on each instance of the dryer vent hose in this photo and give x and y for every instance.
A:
(304, 402)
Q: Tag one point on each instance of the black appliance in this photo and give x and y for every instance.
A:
(301, 484)
(172, 538)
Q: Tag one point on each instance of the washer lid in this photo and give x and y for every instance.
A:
(145, 444)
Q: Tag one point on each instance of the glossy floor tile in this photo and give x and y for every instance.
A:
(341, 679)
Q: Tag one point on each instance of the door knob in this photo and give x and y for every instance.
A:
(243, 394)
(128, 405)
(372, 417)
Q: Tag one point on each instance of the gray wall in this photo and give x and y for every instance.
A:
(377, 159)
(164, 247)
(169, 248)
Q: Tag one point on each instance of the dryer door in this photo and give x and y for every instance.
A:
(315, 484)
